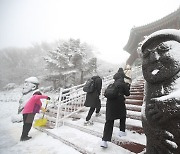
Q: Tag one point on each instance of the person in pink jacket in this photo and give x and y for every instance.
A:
(32, 107)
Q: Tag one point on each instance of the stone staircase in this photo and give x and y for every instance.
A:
(75, 134)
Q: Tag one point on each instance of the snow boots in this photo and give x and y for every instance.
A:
(88, 123)
(121, 133)
(25, 138)
(98, 114)
(104, 144)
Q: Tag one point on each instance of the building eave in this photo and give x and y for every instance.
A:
(137, 33)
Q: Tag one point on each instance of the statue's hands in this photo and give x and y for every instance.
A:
(167, 142)
(154, 113)
(161, 111)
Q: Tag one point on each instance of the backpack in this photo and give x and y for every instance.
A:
(111, 92)
(89, 86)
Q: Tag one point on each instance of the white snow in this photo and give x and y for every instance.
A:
(154, 72)
(10, 132)
(174, 145)
(162, 90)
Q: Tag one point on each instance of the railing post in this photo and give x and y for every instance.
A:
(59, 107)
(101, 97)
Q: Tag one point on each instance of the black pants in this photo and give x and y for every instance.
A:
(27, 124)
(108, 128)
(91, 111)
(122, 125)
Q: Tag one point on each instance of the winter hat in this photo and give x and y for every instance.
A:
(120, 69)
(172, 34)
(32, 80)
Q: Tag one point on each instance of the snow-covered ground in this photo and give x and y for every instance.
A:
(10, 132)
(41, 143)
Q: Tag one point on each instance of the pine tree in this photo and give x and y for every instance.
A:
(70, 56)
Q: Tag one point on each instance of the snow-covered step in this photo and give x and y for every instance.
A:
(134, 102)
(137, 84)
(131, 124)
(133, 115)
(131, 139)
(82, 141)
(133, 111)
(136, 115)
(98, 126)
(136, 93)
(137, 89)
(130, 114)
(136, 97)
(133, 107)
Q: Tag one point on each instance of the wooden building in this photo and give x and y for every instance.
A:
(171, 21)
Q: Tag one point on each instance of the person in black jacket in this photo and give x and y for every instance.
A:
(121, 74)
(116, 109)
(93, 101)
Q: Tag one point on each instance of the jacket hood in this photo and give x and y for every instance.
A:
(95, 77)
(120, 70)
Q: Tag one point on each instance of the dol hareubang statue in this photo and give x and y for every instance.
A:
(161, 106)
(30, 86)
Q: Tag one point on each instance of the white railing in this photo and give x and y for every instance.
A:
(72, 100)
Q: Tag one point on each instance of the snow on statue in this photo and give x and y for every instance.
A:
(30, 86)
(161, 106)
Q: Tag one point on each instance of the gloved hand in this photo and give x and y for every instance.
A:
(48, 98)
(43, 109)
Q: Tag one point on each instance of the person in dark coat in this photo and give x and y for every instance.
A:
(116, 109)
(93, 101)
(120, 73)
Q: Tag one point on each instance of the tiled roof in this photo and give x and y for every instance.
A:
(137, 34)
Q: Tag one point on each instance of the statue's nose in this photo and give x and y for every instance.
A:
(154, 56)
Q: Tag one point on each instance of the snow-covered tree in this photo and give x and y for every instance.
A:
(70, 56)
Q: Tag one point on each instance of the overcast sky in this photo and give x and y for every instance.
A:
(105, 24)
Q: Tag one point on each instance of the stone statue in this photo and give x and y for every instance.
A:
(30, 86)
(161, 106)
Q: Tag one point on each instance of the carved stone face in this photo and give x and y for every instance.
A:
(30, 84)
(28, 87)
(161, 60)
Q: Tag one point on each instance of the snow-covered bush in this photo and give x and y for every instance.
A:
(10, 86)
(46, 89)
